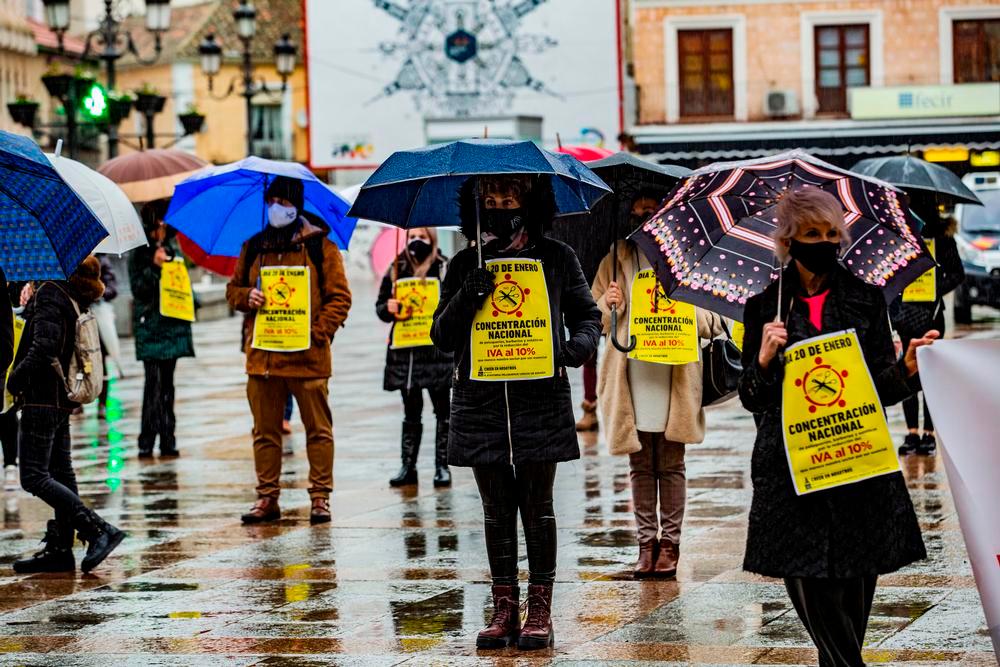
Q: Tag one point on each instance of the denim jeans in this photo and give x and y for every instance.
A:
(46, 463)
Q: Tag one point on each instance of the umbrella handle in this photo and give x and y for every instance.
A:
(625, 349)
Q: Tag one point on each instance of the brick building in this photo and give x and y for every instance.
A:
(845, 79)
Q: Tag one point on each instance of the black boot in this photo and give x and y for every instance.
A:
(55, 556)
(442, 476)
(910, 444)
(101, 538)
(928, 445)
(410, 445)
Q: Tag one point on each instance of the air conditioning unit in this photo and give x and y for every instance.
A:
(778, 103)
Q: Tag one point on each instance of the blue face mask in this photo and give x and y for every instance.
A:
(279, 216)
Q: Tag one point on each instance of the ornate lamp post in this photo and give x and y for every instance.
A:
(245, 16)
(112, 41)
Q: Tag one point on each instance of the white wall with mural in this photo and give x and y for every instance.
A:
(379, 70)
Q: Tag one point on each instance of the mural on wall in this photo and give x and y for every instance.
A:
(461, 58)
(397, 66)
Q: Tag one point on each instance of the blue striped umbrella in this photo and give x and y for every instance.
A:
(46, 230)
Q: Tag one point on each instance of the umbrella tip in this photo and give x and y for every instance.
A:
(58, 150)
(558, 141)
(486, 131)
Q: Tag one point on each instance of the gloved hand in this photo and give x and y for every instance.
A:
(478, 284)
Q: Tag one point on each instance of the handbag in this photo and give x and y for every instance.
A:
(721, 369)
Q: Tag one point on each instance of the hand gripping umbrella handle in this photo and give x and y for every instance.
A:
(614, 335)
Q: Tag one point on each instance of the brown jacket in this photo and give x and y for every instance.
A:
(330, 303)
(686, 419)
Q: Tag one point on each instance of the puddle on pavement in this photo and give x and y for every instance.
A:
(434, 616)
(149, 587)
(609, 538)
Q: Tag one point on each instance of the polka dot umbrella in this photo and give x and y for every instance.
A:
(711, 243)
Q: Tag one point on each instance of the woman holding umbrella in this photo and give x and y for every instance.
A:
(829, 546)
(651, 408)
(514, 432)
(411, 369)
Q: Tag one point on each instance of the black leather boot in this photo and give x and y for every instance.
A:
(101, 538)
(410, 445)
(442, 476)
(55, 556)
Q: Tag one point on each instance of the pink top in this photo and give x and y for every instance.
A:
(815, 303)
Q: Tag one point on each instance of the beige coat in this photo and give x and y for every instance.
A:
(686, 419)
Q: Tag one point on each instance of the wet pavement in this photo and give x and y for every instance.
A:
(400, 577)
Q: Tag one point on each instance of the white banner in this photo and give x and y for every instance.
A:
(959, 379)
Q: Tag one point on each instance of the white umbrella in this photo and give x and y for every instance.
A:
(107, 201)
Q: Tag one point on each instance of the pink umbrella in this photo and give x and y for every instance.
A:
(585, 152)
(388, 245)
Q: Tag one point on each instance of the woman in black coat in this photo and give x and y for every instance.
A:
(411, 370)
(911, 319)
(512, 433)
(829, 546)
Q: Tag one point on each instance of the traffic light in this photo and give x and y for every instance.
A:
(94, 103)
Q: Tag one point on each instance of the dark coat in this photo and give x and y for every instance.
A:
(156, 337)
(528, 420)
(424, 367)
(866, 528)
(912, 320)
(109, 279)
(49, 337)
(7, 302)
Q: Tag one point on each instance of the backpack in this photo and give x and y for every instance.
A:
(86, 365)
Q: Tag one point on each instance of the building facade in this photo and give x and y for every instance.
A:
(20, 67)
(845, 79)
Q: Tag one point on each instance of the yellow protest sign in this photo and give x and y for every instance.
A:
(418, 299)
(512, 330)
(666, 331)
(736, 333)
(831, 416)
(283, 323)
(176, 298)
(8, 400)
(924, 288)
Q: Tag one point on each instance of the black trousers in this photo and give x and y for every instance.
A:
(506, 490)
(46, 462)
(835, 613)
(911, 405)
(8, 437)
(158, 405)
(413, 403)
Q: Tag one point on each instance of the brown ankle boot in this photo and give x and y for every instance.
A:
(265, 509)
(537, 631)
(647, 556)
(666, 562)
(506, 620)
(588, 422)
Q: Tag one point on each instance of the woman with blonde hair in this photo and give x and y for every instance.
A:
(411, 370)
(829, 546)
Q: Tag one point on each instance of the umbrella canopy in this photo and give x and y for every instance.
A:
(108, 203)
(912, 173)
(151, 174)
(420, 188)
(585, 152)
(711, 244)
(219, 208)
(592, 235)
(46, 230)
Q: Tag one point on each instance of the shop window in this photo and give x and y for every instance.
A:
(841, 62)
(705, 60)
(976, 54)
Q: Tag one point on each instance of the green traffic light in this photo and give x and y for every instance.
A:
(94, 104)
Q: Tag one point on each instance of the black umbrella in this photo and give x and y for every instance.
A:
(912, 173)
(590, 237)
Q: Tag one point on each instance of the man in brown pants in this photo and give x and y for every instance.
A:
(293, 240)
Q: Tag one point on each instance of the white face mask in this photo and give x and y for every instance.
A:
(281, 216)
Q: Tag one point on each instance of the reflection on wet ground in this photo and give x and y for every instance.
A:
(400, 576)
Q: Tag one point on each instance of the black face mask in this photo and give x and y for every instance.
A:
(820, 258)
(503, 223)
(419, 249)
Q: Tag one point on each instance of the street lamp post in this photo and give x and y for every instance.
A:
(245, 16)
(112, 41)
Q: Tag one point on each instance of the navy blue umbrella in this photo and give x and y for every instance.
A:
(46, 230)
(420, 188)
